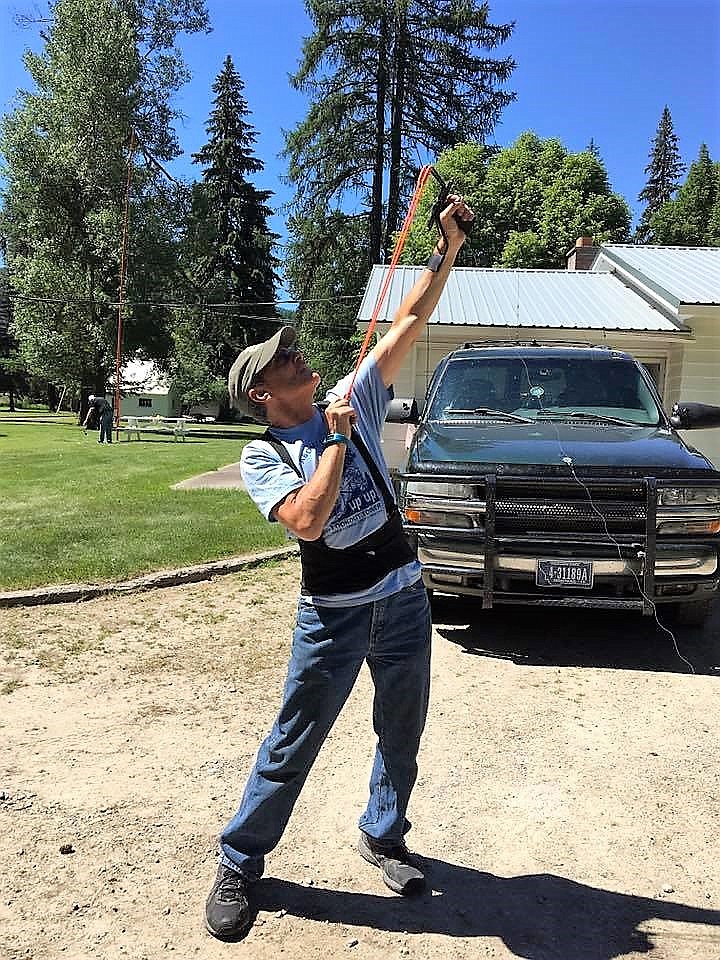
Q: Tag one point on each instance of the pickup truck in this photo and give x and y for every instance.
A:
(551, 475)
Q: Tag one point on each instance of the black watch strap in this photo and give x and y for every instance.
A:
(435, 262)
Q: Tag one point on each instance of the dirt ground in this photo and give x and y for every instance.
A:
(568, 806)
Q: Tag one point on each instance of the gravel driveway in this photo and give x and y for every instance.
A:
(567, 806)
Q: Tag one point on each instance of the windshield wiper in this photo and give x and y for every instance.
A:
(489, 412)
(585, 415)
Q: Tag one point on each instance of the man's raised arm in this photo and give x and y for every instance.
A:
(413, 313)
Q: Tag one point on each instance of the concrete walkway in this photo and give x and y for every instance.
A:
(226, 478)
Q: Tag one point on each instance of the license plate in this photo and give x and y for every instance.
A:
(564, 573)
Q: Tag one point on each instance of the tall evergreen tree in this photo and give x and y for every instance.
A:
(228, 253)
(688, 219)
(664, 171)
(389, 78)
(592, 149)
(388, 81)
(103, 81)
(713, 231)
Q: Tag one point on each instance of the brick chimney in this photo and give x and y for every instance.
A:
(582, 255)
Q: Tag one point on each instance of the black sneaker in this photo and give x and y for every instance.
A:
(227, 912)
(399, 867)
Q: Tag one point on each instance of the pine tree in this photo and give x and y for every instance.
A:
(390, 78)
(228, 254)
(688, 219)
(592, 149)
(713, 231)
(664, 171)
(389, 81)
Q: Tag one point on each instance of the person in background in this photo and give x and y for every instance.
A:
(102, 412)
(321, 474)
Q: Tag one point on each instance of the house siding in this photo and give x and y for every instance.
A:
(161, 405)
(700, 380)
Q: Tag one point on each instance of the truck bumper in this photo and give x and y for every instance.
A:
(678, 573)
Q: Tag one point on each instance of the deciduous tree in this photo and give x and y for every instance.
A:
(532, 201)
(103, 81)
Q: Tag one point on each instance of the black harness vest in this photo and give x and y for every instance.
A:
(326, 569)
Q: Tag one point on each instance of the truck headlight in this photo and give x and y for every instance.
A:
(690, 526)
(432, 503)
(429, 488)
(437, 518)
(688, 496)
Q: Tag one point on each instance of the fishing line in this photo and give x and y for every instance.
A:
(569, 462)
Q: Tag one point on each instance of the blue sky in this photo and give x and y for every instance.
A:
(584, 69)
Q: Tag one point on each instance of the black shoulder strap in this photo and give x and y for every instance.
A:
(282, 451)
(375, 473)
(380, 481)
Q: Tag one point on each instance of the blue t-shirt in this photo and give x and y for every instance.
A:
(359, 509)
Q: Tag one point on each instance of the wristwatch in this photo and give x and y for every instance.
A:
(333, 438)
(435, 262)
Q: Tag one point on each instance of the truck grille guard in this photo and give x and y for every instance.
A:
(557, 509)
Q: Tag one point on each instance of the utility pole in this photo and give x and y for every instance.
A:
(123, 277)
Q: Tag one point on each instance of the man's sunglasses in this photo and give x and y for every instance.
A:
(284, 354)
(281, 356)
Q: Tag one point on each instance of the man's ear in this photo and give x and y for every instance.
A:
(259, 394)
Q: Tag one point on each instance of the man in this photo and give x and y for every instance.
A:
(102, 412)
(322, 475)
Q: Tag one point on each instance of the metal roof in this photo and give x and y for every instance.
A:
(486, 297)
(678, 274)
(142, 376)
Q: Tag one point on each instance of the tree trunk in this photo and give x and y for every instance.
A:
(376, 207)
(11, 399)
(396, 120)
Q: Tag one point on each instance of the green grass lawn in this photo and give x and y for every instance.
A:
(72, 510)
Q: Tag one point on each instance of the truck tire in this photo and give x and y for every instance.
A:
(692, 613)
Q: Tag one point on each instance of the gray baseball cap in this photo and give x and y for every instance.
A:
(252, 361)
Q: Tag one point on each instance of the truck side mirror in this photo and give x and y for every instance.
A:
(402, 410)
(694, 416)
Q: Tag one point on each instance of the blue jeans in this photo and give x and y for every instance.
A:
(329, 646)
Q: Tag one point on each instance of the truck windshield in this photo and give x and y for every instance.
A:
(533, 388)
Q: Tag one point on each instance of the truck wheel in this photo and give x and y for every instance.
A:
(692, 613)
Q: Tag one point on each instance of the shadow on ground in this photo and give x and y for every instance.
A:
(578, 638)
(538, 917)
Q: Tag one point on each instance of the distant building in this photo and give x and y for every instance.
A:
(146, 392)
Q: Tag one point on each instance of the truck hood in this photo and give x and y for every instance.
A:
(547, 443)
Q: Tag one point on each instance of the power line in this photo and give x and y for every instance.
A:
(177, 305)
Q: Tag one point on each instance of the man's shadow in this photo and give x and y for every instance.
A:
(538, 916)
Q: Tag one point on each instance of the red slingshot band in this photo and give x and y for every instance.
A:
(402, 237)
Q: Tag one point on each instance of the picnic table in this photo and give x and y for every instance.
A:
(134, 426)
